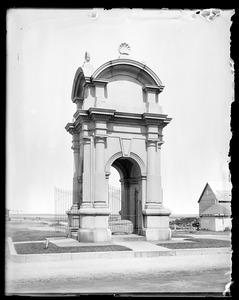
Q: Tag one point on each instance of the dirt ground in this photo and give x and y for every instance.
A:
(196, 273)
(165, 274)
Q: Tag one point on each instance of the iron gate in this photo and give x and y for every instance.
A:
(118, 223)
(62, 203)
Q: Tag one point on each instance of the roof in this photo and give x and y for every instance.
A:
(216, 209)
(221, 190)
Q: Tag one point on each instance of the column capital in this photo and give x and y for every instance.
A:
(160, 143)
(100, 138)
(86, 139)
(107, 175)
(102, 82)
(153, 88)
(77, 100)
(129, 180)
(70, 127)
(152, 142)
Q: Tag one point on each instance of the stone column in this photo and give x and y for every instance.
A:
(156, 217)
(73, 215)
(94, 211)
(125, 197)
(107, 175)
(152, 183)
(76, 171)
(100, 193)
(86, 176)
(159, 169)
(143, 188)
(94, 217)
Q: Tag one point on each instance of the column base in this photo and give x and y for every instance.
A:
(157, 234)
(73, 220)
(156, 224)
(94, 225)
(86, 235)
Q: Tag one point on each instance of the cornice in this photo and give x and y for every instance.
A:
(70, 128)
(103, 114)
(97, 114)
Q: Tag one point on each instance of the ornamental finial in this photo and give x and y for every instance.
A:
(87, 56)
(124, 49)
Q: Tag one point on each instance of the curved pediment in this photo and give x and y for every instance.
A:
(122, 84)
(127, 68)
(78, 85)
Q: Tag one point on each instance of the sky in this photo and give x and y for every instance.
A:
(189, 52)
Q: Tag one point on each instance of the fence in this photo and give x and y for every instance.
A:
(125, 224)
(62, 203)
(114, 199)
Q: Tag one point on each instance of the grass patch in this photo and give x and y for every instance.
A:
(26, 235)
(179, 236)
(198, 243)
(40, 248)
(177, 233)
(186, 233)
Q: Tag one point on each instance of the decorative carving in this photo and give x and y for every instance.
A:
(87, 56)
(124, 49)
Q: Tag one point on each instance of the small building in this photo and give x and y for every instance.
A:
(215, 206)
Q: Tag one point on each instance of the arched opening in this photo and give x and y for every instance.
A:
(114, 192)
(130, 214)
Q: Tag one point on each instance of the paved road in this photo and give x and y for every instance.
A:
(196, 273)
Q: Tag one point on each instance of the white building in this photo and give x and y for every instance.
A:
(215, 206)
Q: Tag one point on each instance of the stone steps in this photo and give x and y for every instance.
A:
(120, 237)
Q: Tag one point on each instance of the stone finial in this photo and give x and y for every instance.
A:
(87, 66)
(124, 49)
(87, 57)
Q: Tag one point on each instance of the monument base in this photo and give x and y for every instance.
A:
(94, 225)
(156, 224)
(94, 235)
(73, 220)
(157, 234)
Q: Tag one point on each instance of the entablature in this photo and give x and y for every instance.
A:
(99, 120)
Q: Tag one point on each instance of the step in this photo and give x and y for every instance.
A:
(127, 238)
(119, 237)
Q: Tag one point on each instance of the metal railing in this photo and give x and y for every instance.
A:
(118, 224)
(62, 203)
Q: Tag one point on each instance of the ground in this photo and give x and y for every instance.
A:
(164, 274)
(202, 273)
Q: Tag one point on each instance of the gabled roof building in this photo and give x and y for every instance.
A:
(215, 206)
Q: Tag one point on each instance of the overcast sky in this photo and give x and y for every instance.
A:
(189, 53)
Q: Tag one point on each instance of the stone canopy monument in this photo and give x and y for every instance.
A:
(118, 122)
